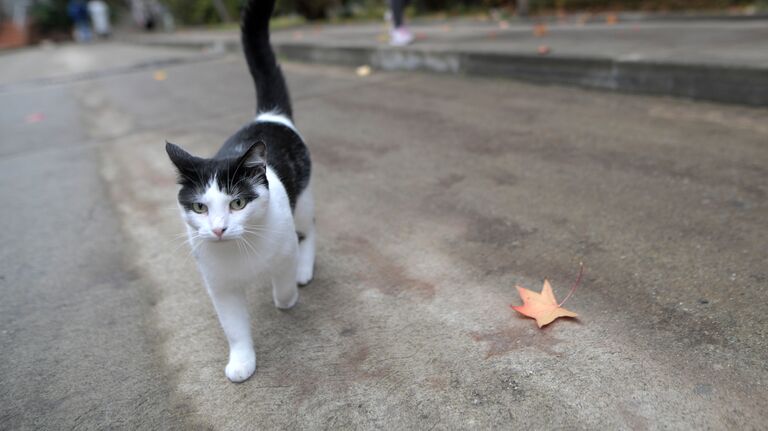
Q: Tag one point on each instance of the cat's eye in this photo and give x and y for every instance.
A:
(199, 208)
(237, 204)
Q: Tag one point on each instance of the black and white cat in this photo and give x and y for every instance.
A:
(249, 210)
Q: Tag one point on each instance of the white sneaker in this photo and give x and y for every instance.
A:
(400, 37)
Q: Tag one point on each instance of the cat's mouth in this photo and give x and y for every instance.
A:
(216, 239)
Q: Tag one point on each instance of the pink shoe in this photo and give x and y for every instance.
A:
(400, 37)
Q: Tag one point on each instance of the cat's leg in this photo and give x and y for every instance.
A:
(285, 292)
(232, 309)
(305, 230)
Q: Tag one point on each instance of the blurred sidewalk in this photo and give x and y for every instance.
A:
(710, 59)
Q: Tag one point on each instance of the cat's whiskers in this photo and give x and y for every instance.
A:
(193, 249)
(261, 229)
(249, 252)
(240, 247)
(261, 237)
(251, 230)
(182, 235)
(256, 254)
(183, 241)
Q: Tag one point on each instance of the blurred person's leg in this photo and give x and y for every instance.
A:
(399, 35)
(398, 9)
(82, 31)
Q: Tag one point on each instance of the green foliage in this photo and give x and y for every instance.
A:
(659, 5)
(315, 9)
(200, 12)
(50, 16)
(442, 5)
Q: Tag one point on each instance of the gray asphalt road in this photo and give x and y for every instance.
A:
(436, 196)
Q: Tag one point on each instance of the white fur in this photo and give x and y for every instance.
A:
(260, 241)
(304, 216)
(276, 117)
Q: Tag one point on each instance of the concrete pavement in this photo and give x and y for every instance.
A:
(77, 348)
(717, 60)
(436, 195)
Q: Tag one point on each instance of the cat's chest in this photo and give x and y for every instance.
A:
(235, 261)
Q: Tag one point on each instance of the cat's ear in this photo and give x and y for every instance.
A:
(183, 161)
(255, 156)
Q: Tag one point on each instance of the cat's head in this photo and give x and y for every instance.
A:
(220, 198)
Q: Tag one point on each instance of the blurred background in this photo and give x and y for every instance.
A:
(30, 21)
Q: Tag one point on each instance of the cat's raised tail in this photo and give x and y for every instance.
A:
(271, 90)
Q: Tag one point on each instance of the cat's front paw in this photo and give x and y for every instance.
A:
(240, 366)
(287, 302)
(304, 274)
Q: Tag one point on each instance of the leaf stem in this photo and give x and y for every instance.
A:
(575, 284)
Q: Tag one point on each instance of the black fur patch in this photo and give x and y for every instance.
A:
(286, 153)
(233, 175)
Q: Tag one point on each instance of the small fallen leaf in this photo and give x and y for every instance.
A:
(363, 71)
(611, 19)
(298, 35)
(540, 30)
(543, 49)
(160, 75)
(383, 37)
(33, 118)
(543, 306)
(503, 25)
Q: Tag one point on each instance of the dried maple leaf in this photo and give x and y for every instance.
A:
(540, 30)
(543, 306)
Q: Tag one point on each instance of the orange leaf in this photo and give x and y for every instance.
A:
(541, 306)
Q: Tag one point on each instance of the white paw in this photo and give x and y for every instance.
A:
(286, 304)
(304, 274)
(240, 366)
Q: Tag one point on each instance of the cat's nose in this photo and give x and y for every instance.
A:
(219, 232)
